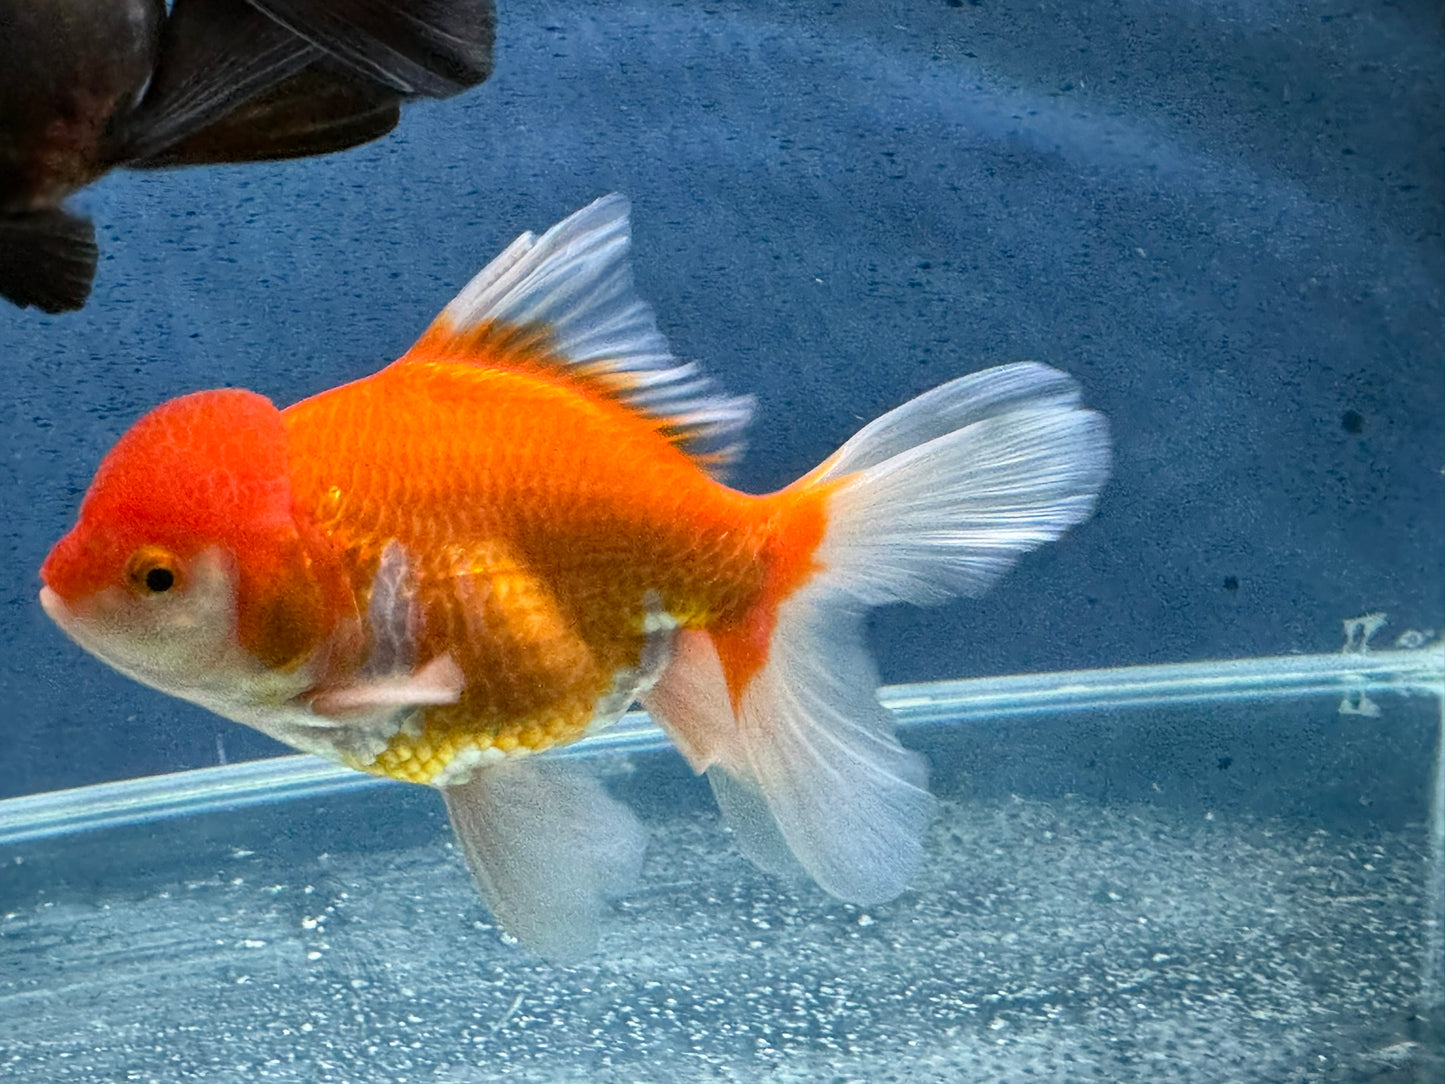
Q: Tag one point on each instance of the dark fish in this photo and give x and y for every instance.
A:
(87, 86)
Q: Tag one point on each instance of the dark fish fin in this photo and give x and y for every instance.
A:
(548, 848)
(215, 55)
(47, 259)
(317, 111)
(429, 48)
(244, 81)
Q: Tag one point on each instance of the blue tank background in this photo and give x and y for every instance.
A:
(1224, 218)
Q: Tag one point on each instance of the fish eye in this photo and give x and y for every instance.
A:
(152, 570)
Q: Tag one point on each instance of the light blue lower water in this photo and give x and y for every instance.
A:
(1197, 873)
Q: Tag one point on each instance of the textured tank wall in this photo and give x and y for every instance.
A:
(1224, 218)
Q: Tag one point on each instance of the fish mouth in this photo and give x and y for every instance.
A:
(54, 607)
(80, 632)
(68, 621)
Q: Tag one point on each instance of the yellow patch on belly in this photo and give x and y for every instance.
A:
(451, 742)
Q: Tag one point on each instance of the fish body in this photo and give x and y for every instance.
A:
(499, 542)
(87, 86)
(547, 536)
(71, 67)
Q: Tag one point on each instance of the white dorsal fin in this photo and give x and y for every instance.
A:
(573, 285)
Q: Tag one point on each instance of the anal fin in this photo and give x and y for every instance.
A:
(745, 811)
(548, 848)
(807, 765)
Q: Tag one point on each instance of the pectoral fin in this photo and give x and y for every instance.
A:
(440, 681)
(47, 259)
(390, 678)
(547, 848)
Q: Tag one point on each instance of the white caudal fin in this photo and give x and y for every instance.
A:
(935, 499)
(548, 848)
(946, 492)
(573, 286)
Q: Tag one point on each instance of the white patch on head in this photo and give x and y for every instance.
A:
(184, 643)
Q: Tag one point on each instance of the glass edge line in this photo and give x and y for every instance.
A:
(37, 816)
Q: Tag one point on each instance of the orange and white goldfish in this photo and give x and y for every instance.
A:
(502, 540)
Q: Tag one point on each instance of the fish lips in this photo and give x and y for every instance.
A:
(73, 624)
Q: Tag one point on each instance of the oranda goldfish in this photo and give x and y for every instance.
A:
(87, 86)
(499, 542)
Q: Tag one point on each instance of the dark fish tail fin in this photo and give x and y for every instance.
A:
(47, 259)
(244, 80)
(316, 111)
(427, 48)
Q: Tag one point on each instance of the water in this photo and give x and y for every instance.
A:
(1163, 914)
(837, 207)
(1221, 216)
